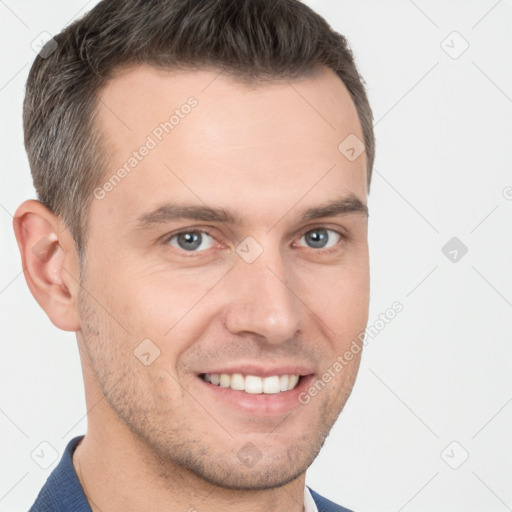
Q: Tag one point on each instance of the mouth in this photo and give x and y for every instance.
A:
(257, 391)
(253, 384)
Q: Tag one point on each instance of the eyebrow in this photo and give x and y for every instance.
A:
(174, 211)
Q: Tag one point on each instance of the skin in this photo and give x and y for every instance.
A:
(157, 438)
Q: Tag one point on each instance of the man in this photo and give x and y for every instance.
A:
(202, 170)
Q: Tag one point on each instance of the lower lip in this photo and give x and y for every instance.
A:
(272, 404)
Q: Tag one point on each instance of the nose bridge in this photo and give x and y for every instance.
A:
(261, 299)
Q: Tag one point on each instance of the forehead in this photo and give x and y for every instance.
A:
(212, 139)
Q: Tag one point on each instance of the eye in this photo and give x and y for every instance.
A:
(321, 238)
(191, 241)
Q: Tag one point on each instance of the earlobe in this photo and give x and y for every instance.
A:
(50, 262)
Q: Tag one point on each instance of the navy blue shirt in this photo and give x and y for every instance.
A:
(63, 492)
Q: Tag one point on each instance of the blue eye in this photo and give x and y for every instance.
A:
(321, 238)
(191, 241)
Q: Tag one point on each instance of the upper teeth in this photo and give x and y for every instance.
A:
(252, 383)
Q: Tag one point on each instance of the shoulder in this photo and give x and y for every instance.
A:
(325, 505)
(62, 491)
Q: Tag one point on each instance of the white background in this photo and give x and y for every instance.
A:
(440, 371)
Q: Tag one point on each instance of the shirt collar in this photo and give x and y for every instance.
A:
(309, 502)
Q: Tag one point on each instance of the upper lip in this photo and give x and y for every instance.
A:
(261, 370)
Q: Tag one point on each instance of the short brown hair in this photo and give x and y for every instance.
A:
(248, 39)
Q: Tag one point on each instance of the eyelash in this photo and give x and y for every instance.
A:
(343, 239)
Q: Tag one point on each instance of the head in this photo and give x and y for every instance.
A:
(198, 215)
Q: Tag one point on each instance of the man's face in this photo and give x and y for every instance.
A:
(288, 300)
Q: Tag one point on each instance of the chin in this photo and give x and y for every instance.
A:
(265, 474)
(264, 464)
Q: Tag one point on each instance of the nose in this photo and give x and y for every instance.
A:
(261, 300)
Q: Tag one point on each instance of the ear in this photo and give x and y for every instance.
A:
(50, 262)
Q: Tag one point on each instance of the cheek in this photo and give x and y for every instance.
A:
(164, 305)
(339, 297)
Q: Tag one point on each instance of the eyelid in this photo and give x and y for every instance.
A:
(340, 230)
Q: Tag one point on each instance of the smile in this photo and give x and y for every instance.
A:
(253, 384)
